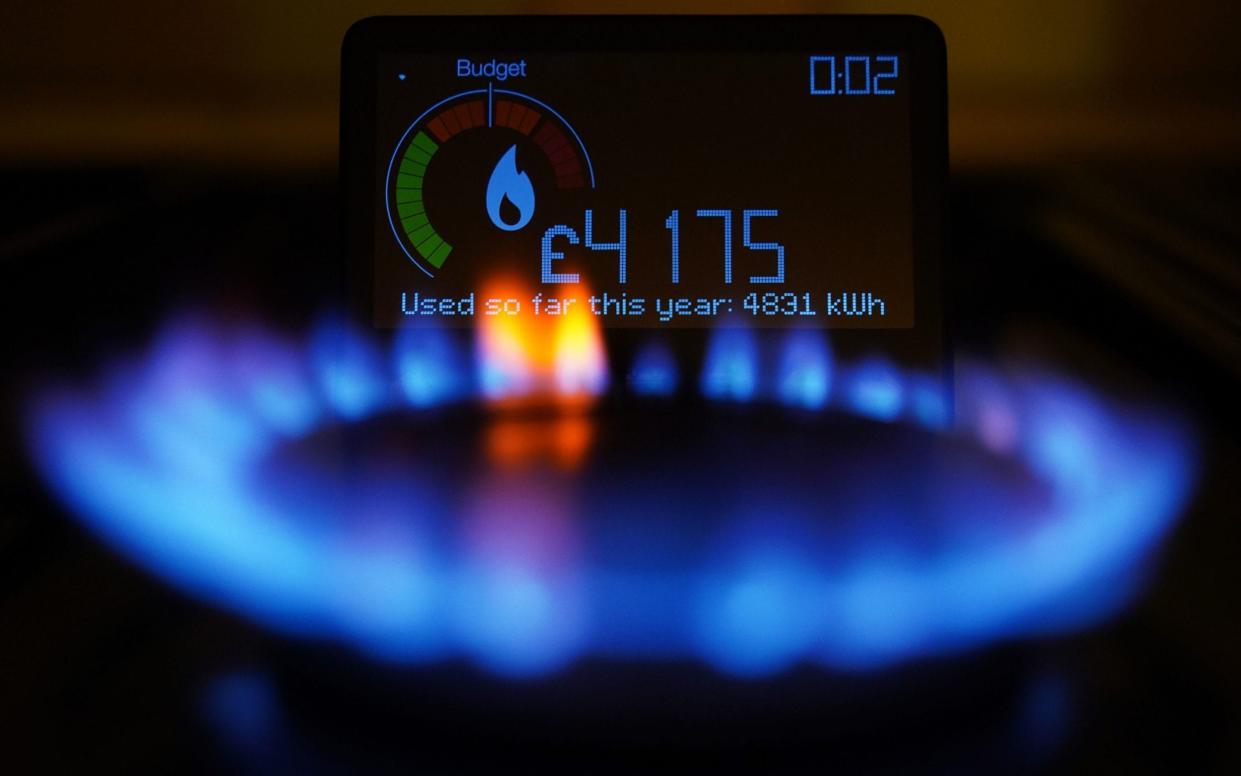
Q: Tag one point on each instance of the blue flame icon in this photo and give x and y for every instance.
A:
(507, 183)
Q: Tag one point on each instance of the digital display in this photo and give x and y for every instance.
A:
(657, 185)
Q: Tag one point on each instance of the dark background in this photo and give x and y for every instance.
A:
(156, 155)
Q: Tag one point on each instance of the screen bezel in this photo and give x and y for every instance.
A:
(920, 40)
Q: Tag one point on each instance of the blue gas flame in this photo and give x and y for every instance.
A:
(654, 371)
(174, 457)
(507, 183)
(731, 371)
(805, 370)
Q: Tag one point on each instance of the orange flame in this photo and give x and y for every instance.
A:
(539, 350)
(536, 345)
(562, 440)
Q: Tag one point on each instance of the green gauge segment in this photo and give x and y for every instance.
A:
(409, 202)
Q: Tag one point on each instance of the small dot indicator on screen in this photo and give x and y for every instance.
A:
(401, 76)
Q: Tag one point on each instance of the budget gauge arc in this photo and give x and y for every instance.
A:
(471, 110)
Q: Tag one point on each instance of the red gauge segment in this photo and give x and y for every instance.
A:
(516, 116)
(456, 119)
(561, 154)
